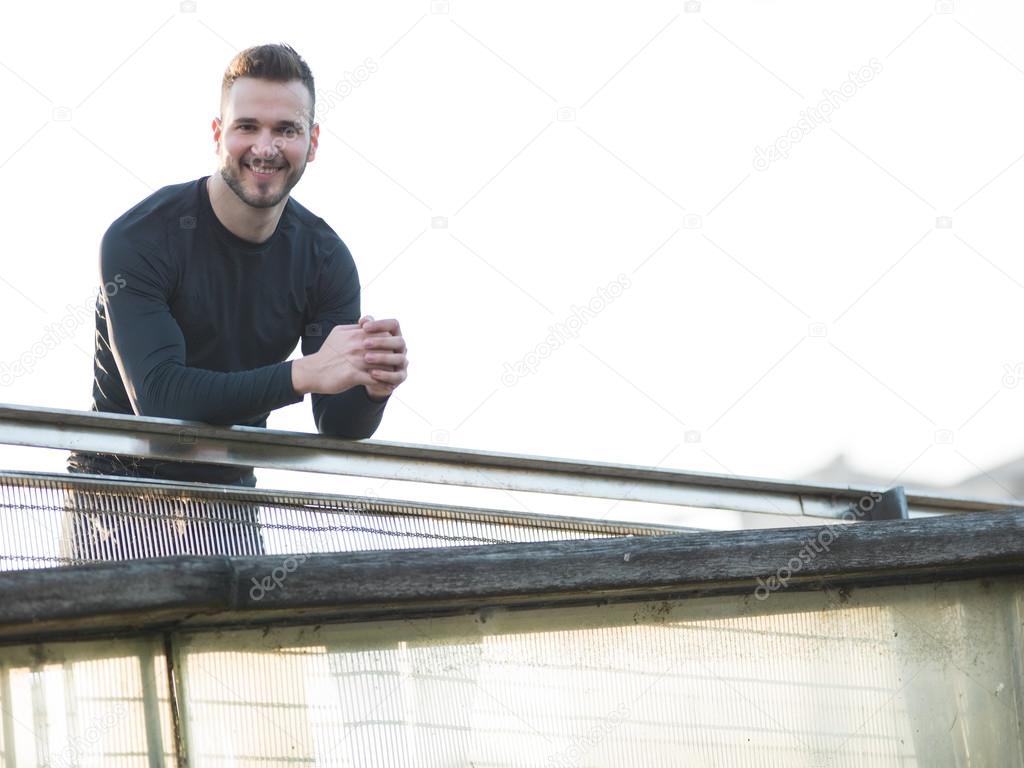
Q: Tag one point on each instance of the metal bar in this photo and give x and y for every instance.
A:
(246, 446)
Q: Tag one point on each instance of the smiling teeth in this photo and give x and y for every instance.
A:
(266, 172)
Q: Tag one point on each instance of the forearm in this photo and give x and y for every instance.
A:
(214, 397)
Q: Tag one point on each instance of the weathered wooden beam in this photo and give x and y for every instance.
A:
(148, 595)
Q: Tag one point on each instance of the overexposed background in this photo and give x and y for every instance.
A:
(496, 167)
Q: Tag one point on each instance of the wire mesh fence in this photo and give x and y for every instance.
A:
(53, 520)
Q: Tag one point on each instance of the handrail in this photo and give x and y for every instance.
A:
(172, 439)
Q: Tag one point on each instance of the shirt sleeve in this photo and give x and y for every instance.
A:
(149, 346)
(350, 414)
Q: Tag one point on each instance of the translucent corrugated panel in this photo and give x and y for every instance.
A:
(913, 676)
(85, 705)
(53, 520)
(920, 676)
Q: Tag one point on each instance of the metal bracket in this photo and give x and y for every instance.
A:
(891, 506)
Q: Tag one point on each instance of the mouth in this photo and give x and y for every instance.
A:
(263, 172)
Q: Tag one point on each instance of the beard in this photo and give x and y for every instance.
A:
(258, 193)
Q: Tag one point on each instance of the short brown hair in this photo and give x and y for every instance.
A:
(278, 63)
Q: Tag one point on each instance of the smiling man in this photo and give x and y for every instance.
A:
(213, 282)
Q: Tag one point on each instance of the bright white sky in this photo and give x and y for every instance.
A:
(779, 315)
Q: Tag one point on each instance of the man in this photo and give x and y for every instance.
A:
(209, 285)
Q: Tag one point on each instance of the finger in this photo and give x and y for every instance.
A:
(364, 378)
(394, 378)
(382, 381)
(365, 319)
(385, 342)
(390, 325)
(385, 359)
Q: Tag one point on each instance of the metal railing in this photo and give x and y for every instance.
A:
(175, 440)
(372, 631)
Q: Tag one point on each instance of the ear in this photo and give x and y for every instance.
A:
(314, 140)
(216, 126)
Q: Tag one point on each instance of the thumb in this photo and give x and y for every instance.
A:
(365, 319)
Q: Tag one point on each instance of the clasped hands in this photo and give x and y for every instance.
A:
(370, 353)
(385, 356)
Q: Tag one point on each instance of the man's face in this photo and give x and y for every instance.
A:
(265, 127)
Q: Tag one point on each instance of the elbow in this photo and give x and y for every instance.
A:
(349, 415)
(160, 401)
(345, 431)
(146, 405)
(161, 409)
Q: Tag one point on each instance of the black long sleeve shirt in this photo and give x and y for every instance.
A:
(196, 323)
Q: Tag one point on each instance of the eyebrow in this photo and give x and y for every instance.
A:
(291, 123)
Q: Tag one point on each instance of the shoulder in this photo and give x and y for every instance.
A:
(149, 222)
(139, 240)
(322, 243)
(332, 275)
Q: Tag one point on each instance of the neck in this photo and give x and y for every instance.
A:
(253, 224)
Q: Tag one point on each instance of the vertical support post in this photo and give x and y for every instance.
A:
(151, 708)
(40, 716)
(176, 691)
(7, 709)
(73, 727)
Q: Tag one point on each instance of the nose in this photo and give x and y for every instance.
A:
(266, 147)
